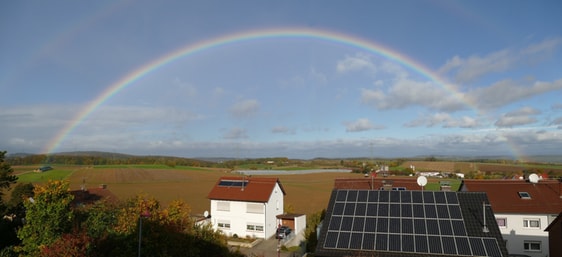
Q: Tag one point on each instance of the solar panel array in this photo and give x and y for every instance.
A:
(403, 221)
(233, 183)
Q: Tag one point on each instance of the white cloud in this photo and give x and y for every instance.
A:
(355, 63)
(406, 92)
(475, 66)
(245, 108)
(508, 91)
(283, 130)
(359, 125)
(444, 120)
(522, 116)
(236, 133)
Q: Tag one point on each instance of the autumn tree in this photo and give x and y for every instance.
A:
(6, 226)
(48, 216)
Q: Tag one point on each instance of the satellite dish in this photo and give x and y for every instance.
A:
(206, 214)
(534, 178)
(422, 181)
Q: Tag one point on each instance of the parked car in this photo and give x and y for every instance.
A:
(283, 232)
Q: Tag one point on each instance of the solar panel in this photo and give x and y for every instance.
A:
(233, 183)
(435, 244)
(417, 197)
(331, 240)
(432, 227)
(430, 211)
(362, 196)
(440, 197)
(451, 198)
(356, 241)
(369, 241)
(352, 196)
(408, 243)
(394, 243)
(341, 195)
(403, 221)
(492, 247)
(407, 226)
(477, 246)
(428, 197)
(343, 240)
(449, 246)
(421, 243)
(358, 224)
(395, 210)
(335, 223)
(381, 242)
(349, 209)
(346, 223)
(360, 209)
(394, 225)
(463, 247)
(406, 196)
(338, 209)
(418, 211)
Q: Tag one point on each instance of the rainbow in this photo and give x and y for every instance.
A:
(299, 33)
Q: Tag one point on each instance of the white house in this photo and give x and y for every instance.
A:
(246, 206)
(523, 210)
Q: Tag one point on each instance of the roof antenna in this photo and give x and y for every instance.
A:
(243, 181)
(485, 227)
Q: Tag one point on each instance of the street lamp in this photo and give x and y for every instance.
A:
(145, 214)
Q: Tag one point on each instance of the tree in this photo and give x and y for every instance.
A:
(48, 216)
(6, 179)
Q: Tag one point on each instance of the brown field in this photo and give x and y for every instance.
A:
(306, 193)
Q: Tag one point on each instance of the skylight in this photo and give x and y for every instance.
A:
(524, 195)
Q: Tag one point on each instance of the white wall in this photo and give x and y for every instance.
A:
(515, 234)
(238, 216)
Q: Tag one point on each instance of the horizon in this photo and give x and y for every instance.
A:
(295, 79)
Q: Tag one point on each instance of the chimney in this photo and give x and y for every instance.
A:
(387, 185)
(444, 186)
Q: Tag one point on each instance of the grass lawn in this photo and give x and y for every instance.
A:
(40, 177)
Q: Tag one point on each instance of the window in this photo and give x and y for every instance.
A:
(254, 208)
(254, 227)
(531, 223)
(532, 246)
(223, 206)
(502, 222)
(524, 195)
(224, 224)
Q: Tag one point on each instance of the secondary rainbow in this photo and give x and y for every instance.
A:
(205, 45)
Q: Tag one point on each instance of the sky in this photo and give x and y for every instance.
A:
(297, 79)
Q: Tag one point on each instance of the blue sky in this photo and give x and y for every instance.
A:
(286, 96)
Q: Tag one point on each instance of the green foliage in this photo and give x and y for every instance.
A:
(48, 216)
(6, 177)
(310, 234)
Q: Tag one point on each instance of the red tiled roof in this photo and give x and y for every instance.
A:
(365, 183)
(504, 195)
(256, 189)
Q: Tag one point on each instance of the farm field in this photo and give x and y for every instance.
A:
(306, 193)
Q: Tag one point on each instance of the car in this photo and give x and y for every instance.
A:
(282, 232)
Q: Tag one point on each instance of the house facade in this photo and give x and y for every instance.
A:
(523, 210)
(555, 236)
(246, 206)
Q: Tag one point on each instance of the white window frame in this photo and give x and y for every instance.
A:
(528, 223)
(504, 222)
(223, 224)
(527, 246)
(254, 227)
